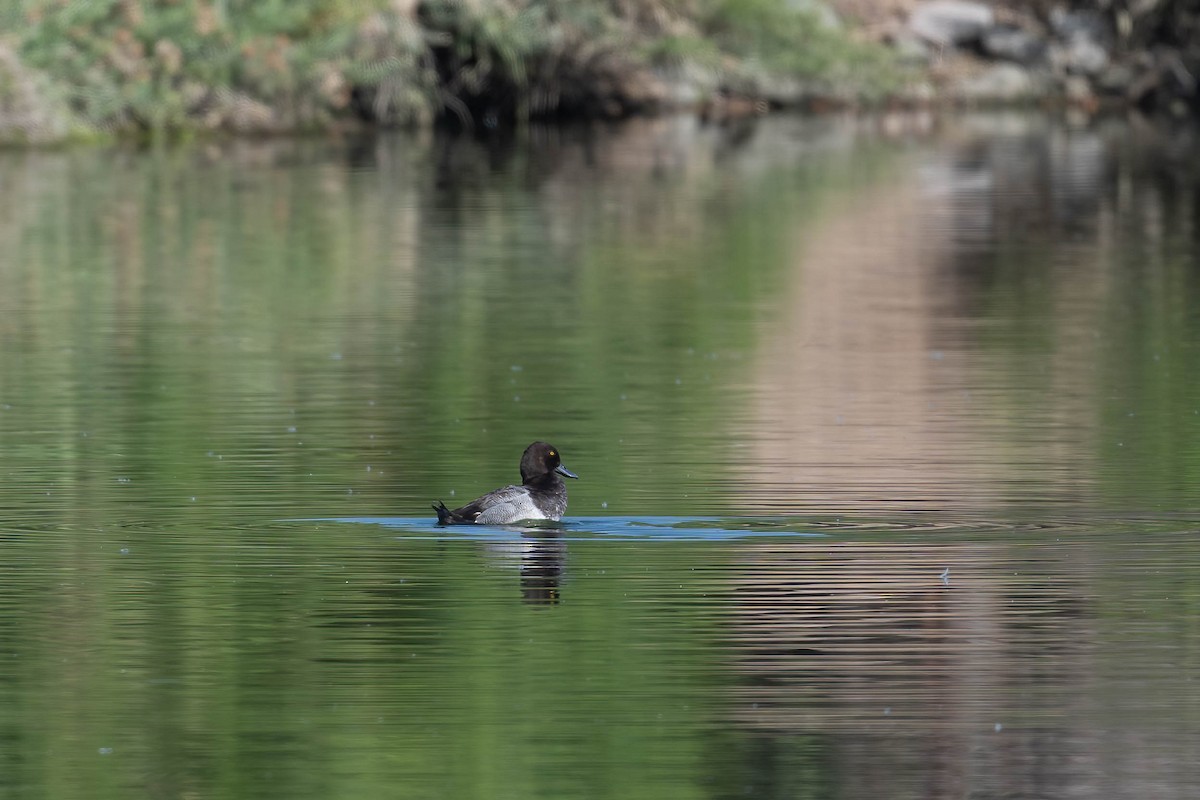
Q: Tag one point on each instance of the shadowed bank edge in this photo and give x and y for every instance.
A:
(86, 70)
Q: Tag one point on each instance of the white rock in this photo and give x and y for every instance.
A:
(950, 22)
(1002, 83)
(1013, 44)
(1083, 55)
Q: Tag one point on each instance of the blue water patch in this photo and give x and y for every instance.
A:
(591, 528)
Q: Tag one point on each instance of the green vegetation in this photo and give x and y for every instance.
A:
(250, 66)
(778, 39)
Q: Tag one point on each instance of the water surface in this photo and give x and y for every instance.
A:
(888, 431)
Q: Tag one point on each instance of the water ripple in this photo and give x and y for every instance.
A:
(652, 528)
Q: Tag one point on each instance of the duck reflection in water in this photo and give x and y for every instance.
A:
(542, 557)
(540, 554)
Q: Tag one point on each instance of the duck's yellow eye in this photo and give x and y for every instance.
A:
(552, 453)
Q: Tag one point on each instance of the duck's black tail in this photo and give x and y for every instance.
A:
(444, 515)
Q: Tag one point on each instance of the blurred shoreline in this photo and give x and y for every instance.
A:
(128, 69)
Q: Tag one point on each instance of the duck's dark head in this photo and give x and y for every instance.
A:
(539, 463)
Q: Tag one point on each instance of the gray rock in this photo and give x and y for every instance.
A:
(1078, 91)
(1068, 25)
(822, 12)
(1115, 79)
(687, 84)
(1000, 83)
(1013, 44)
(32, 107)
(950, 22)
(1084, 40)
(911, 50)
(1079, 56)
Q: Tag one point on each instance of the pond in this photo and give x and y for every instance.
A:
(887, 429)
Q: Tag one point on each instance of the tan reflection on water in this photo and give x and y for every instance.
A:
(874, 636)
(914, 669)
(947, 670)
(883, 385)
(874, 390)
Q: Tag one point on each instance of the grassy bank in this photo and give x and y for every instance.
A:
(168, 66)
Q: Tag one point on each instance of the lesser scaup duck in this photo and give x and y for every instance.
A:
(541, 495)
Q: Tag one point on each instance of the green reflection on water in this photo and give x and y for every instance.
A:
(197, 341)
(262, 324)
(289, 660)
(200, 342)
